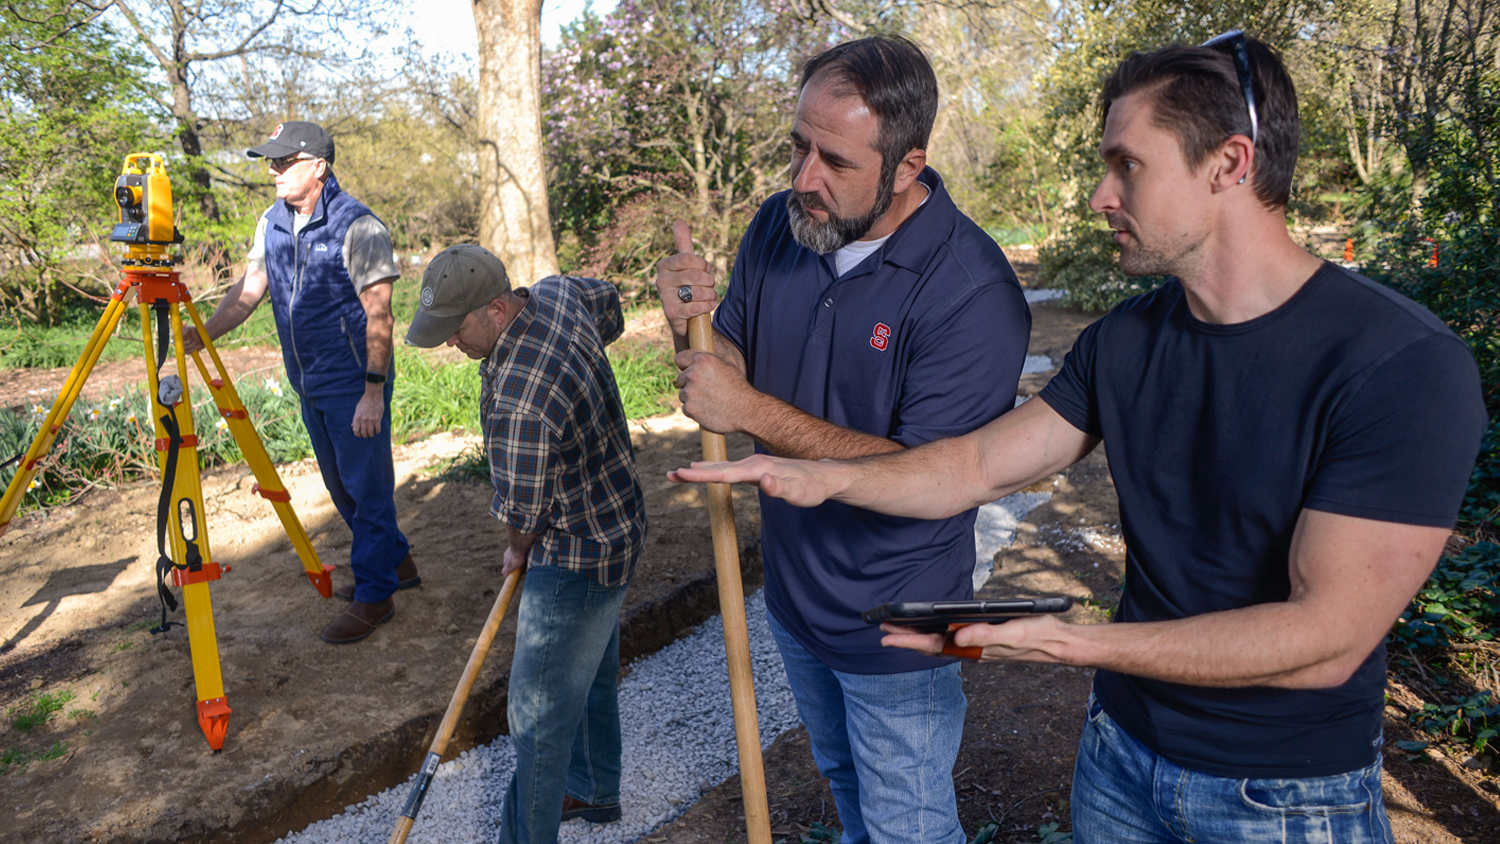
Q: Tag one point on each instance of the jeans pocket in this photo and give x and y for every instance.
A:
(600, 601)
(1093, 710)
(1340, 794)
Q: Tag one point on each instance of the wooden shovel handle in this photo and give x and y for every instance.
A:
(732, 611)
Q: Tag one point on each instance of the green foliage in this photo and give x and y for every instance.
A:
(471, 465)
(1474, 720)
(73, 102)
(1459, 603)
(432, 396)
(30, 344)
(646, 382)
(112, 441)
(39, 709)
(1048, 833)
(1085, 263)
(17, 759)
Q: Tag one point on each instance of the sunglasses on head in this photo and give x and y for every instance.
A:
(1233, 42)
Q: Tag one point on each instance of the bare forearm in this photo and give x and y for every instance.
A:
(788, 432)
(379, 325)
(1281, 644)
(947, 477)
(238, 304)
(932, 481)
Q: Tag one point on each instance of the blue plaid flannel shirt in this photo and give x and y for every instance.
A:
(554, 429)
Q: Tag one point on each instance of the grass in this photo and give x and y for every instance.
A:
(110, 441)
(39, 709)
(17, 759)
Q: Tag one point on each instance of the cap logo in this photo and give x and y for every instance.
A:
(427, 297)
(275, 133)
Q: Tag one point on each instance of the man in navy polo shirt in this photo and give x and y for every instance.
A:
(861, 305)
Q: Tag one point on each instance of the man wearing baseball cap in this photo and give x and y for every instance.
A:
(566, 489)
(327, 262)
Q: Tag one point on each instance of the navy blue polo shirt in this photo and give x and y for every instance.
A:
(922, 340)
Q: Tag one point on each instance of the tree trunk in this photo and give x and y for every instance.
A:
(513, 219)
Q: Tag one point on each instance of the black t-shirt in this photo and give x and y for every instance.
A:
(1348, 399)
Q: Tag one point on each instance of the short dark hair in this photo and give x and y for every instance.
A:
(1198, 98)
(893, 77)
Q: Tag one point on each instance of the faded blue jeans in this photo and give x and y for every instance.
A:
(563, 707)
(1123, 793)
(886, 743)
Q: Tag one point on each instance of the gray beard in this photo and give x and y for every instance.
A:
(838, 232)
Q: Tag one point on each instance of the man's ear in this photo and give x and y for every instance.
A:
(499, 310)
(1233, 163)
(909, 169)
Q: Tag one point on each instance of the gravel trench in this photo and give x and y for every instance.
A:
(676, 723)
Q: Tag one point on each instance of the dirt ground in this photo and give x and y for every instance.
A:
(317, 727)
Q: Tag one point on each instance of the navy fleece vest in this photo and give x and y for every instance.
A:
(318, 314)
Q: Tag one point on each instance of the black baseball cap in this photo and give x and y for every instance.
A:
(295, 136)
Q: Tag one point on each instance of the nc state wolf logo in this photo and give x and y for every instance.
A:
(881, 338)
(276, 133)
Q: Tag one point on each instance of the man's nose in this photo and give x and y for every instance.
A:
(809, 178)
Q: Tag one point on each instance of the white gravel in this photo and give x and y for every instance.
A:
(678, 731)
(676, 722)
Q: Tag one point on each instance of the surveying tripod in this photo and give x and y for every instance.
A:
(144, 195)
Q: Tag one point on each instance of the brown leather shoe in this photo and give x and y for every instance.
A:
(359, 621)
(591, 812)
(406, 578)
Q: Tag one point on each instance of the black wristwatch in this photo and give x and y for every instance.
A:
(374, 377)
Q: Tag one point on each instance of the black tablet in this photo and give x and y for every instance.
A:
(935, 616)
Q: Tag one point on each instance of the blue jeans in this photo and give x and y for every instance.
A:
(886, 743)
(361, 480)
(564, 708)
(1123, 793)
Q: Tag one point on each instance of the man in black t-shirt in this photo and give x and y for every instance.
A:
(1290, 443)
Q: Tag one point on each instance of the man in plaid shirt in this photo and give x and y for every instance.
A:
(567, 490)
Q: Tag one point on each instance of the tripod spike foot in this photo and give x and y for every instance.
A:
(213, 717)
(322, 581)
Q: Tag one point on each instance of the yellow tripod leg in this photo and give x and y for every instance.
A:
(52, 424)
(187, 530)
(268, 482)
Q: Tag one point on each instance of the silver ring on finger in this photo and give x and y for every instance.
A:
(685, 293)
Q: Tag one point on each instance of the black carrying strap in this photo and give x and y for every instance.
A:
(163, 332)
(163, 513)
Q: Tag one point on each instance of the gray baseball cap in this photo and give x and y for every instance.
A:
(459, 281)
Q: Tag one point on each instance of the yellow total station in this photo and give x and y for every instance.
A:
(185, 560)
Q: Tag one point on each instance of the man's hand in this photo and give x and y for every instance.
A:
(517, 549)
(684, 270)
(802, 483)
(714, 392)
(1021, 639)
(514, 560)
(370, 412)
(191, 341)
